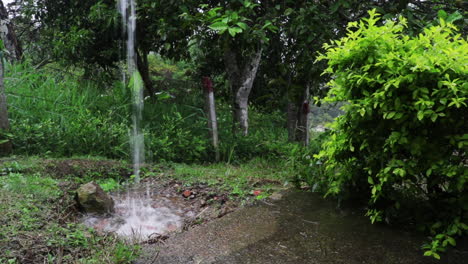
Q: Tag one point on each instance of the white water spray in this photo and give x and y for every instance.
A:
(127, 10)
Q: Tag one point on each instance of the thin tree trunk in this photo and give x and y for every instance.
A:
(292, 120)
(5, 146)
(8, 36)
(241, 86)
(211, 110)
(303, 117)
(143, 69)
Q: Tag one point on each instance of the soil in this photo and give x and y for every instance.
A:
(160, 207)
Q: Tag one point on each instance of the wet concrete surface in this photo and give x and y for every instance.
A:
(298, 228)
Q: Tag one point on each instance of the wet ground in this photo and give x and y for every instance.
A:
(153, 209)
(295, 228)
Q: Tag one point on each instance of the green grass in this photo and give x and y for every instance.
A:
(239, 180)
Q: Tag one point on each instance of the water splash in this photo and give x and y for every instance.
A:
(127, 9)
(138, 217)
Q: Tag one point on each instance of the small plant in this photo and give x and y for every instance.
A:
(109, 184)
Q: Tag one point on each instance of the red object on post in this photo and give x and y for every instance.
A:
(207, 84)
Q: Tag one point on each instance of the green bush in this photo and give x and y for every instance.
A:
(302, 166)
(403, 139)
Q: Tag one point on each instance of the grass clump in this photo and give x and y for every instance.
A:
(238, 180)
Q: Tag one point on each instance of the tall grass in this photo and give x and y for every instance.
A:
(57, 113)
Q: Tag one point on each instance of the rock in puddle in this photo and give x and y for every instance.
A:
(92, 199)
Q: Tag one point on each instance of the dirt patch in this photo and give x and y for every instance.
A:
(156, 208)
(206, 202)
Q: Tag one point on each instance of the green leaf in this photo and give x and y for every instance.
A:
(451, 241)
(441, 14)
(429, 172)
(288, 11)
(219, 26)
(267, 24)
(234, 31)
(242, 25)
(420, 115)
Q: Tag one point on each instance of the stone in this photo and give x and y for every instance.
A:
(93, 199)
(202, 203)
(276, 196)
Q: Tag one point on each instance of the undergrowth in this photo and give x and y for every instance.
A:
(56, 114)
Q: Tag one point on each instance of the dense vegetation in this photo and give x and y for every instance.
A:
(402, 142)
(377, 115)
(60, 115)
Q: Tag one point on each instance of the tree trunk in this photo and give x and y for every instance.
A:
(241, 85)
(292, 120)
(8, 36)
(5, 143)
(143, 69)
(211, 112)
(303, 117)
(299, 116)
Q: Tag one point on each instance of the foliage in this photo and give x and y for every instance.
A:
(402, 141)
(56, 115)
(109, 184)
(304, 169)
(267, 138)
(241, 17)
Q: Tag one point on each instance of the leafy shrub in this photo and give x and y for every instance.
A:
(403, 139)
(302, 166)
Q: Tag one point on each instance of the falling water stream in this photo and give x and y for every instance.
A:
(128, 13)
(140, 211)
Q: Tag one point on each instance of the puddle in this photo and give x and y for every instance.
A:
(141, 214)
